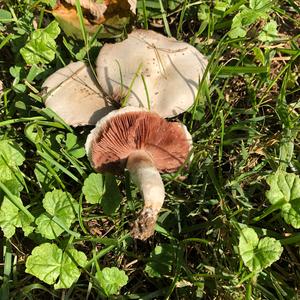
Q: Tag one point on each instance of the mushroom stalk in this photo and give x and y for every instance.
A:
(147, 178)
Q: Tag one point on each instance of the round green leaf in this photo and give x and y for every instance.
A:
(93, 188)
(61, 209)
(111, 280)
(49, 263)
(45, 262)
(48, 228)
(285, 193)
(269, 33)
(69, 272)
(11, 217)
(258, 254)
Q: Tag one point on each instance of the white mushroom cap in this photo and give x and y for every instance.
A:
(74, 95)
(172, 71)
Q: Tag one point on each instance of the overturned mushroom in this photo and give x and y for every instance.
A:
(73, 94)
(145, 144)
(113, 13)
(171, 71)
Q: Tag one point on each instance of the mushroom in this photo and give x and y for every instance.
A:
(95, 8)
(73, 94)
(113, 13)
(145, 144)
(171, 71)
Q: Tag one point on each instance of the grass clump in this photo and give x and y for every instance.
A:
(230, 225)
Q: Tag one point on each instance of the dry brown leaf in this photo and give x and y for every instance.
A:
(114, 13)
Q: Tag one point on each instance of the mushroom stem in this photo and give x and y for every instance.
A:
(148, 180)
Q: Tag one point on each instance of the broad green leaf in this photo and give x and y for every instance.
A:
(269, 33)
(112, 197)
(60, 205)
(49, 263)
(162, 260)
(263, 5)
(45, 262)
(11, 217)
(41, 46)
(258, 254)
(94, 188)
(237, 32)
(69, 272)
(52, 30)
(40, 49)
(285, 192)
(111, 280)
(5, 16)
(49, 228)
(11, 152)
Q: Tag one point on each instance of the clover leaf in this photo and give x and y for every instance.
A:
(73, 147)
(258, 254)
(61, 209)
(111, 280)
(41, 46)
(269, 33)
(49, 263)
(285, 193)
(257, 9)
(93, 188)
(203, 12)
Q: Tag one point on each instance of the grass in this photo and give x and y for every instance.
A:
(245, 127)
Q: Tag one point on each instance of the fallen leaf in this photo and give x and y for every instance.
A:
(114, 15)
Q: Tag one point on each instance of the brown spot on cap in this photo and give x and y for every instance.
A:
(166, 142)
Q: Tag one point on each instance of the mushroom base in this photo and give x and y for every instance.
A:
(144, 226)
(147, 178)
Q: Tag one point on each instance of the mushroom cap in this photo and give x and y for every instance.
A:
(116, 14)
(95, 8)
(74, 95)
(122, 132)
(98, 9)
(172, 71)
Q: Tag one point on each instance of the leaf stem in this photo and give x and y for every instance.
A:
(268, 211)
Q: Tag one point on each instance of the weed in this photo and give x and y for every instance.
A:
(230, 225)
